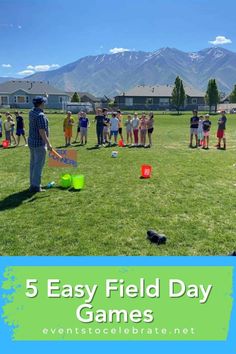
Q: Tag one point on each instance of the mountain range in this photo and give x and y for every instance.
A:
(112, 74)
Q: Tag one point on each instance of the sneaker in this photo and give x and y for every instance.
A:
(26, 144)
(33, 189)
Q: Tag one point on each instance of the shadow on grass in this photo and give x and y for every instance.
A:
(93, 148)
(15, 200)
(72, 190)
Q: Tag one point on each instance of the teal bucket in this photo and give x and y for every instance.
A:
(78, 182)
(66, 181)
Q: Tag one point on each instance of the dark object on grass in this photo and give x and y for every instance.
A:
(154, 237)
(232, 254)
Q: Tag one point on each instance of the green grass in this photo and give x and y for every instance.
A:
(191, 197)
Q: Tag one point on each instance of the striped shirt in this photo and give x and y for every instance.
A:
(37, 120)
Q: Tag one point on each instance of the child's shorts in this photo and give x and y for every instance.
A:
(114, 132)
(83, 131)
(20, 132)
(194, 131)
(105, 129)
(206, 133)
(68, 133)
(220, 133)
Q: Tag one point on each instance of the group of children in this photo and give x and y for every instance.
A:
(10, 125)
(200, 127)
(82, 128)
(137, 129)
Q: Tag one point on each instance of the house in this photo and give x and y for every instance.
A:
(87, 97)
(144, 97)
(20, 93)
(76, 107)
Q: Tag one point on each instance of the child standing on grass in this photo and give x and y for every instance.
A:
(99, 119)
(114, 127)
(128, 125)
(106, 126)
(206, 126)
(20, 128)
(135, 126)
(143, 129)
(7, 128)
(150, 127)
(78, 128)
(120, 117)
(194, 128)
(221, 131)
(200, 131)
(84, 124)
(0, 126)
(67, 128)
(12, 132)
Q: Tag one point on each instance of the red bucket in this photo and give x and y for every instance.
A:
(5, 144)
(146, 171)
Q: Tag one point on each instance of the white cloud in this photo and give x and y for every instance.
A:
(26, 72)
(6, 65)
(118, 50)
(221, 40)
(19, 27)
(43, 67)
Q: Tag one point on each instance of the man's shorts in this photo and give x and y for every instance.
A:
(114, 132)
(20, 132)
(207, 133)
(220, 133)
(120, 130)
(193, 131)
(150, 130)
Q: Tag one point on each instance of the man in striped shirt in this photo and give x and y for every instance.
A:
(38, 142)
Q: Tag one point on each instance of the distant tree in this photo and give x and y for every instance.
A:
(178, 94)
(212, 95)
(75, 97)
(232, 96)
(111, 103)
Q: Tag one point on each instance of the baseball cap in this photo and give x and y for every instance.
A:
(39, 100)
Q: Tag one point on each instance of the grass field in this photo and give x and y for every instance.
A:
(191, 197)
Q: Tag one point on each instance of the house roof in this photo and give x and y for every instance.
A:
(30, 87)
(161, 91)
(89, 95)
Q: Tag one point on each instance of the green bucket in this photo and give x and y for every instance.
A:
(78, 181)
(66, 180)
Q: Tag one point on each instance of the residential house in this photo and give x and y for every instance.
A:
(157, 98)
(20, 93)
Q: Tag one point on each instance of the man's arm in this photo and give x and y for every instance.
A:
(43, 135)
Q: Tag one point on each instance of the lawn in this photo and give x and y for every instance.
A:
(191, 198)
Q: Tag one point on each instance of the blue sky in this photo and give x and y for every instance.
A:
(43, 35)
